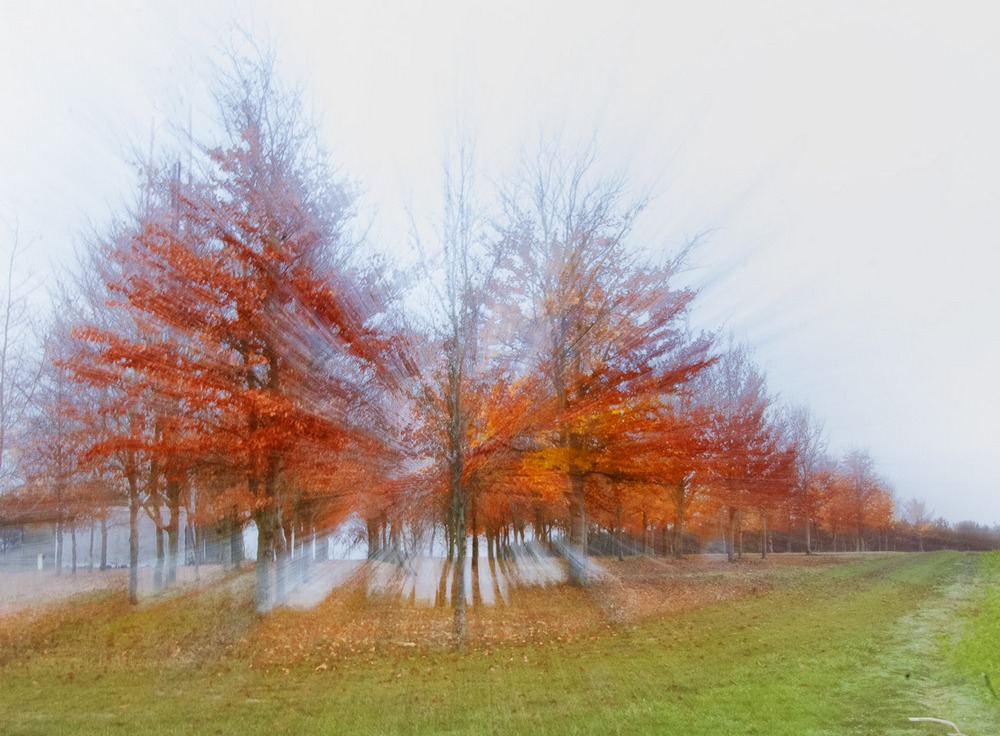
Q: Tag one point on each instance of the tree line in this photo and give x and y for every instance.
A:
(232, 351)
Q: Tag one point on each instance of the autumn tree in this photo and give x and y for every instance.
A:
(598, 320)
(681, 453)
(18, 365)
(806, 432)
(50, 447)
(862, 490)
(914, 512)
(466, 383)
(259, 339)
(743, 436)
(120, 424)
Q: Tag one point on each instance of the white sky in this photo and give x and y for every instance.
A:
(844, 156)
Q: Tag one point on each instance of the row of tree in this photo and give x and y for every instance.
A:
(232, 352)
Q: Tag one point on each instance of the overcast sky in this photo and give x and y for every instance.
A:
(843, 159)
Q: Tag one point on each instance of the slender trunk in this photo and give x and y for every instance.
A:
(475, 536)
(90, 549)
(458, 523)
(235, 541)
(739, 524)
(731, 536)
(441, 598)
(104, 543)
(372, 534)
(763, 535)
(195, 550)
(646, 547)
(160, 558)
(263, 593)
(72, 546)
(283, 551)
(477, 594)
(495, 580)
(809, 549)
(173, 529)
(577, 547)
(133, 539)
(225, 530)
(621, 533)
(680, 503)
(59, 547)
(458, 602)
(194, 536)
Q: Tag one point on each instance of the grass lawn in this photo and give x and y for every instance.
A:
(847, 645)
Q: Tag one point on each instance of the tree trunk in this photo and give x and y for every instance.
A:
(104, 543)
(372, 534)
(739, 524)
(475, 536)
(577, 547)
(458, 588)
(680, 503)
(262, 594)
(195, 549)
(133, 539)
(160, 559)
(90, 549)
(173, 529)
(72, 547)
(731, 536)
(235, 541)
(621, 533)
(458, 525)
(225, 531)
(441, 597)
(763, 535)
(647, 548)
(477, 593)
(283, 551)
(59, 547)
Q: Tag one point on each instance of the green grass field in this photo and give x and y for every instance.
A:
(852, 646)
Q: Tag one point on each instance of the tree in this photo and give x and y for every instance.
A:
(260, 341)
(810, 456)
(598, 322)
(18, 367)
(862, 490)
(915, 513)
(747, 462)
(120, 422)
(467, 381)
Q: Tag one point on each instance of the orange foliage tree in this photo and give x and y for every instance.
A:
(257, 341)
(598, 324)
(750, 465)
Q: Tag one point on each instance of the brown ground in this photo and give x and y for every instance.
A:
(358, 618)
(353, 623)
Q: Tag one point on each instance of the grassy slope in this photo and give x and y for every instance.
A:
(821, 654)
